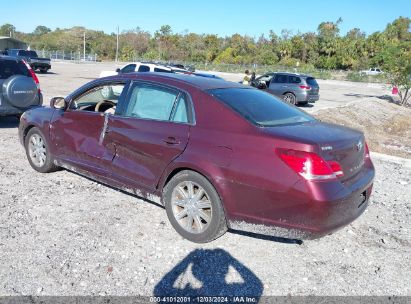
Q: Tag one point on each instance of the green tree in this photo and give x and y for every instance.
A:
(41, 30)
(7, 30)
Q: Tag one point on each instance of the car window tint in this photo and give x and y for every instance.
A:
(129, 68)
(151, 102)
(260, 108)
(162, 70)
(144, 68)
(311, 81)
(9, 68)
(280, 79)
(180, 114)
(294, 79)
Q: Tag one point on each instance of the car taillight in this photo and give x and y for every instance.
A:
(33, 75)
(304, 87)
(310, 165)
(367, 151)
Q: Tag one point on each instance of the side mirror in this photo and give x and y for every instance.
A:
(118, 70)
(58, 103)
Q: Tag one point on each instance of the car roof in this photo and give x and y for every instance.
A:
(289, 73)
(202, 83)
(5, 57)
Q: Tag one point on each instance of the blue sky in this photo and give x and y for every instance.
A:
(222, 17)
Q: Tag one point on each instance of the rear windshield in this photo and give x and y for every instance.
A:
(311, 81)
(12, 67)
(162, 70)
(260, 108)
(28, 53)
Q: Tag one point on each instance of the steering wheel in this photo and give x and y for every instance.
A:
(104, 101)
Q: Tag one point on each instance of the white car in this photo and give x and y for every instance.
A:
(371, 72)
(138, 67)
(110, 92)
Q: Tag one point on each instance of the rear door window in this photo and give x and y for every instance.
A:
(294, 79)
(260, 108)
(280, 79)
(9, 68)
(148, 101)
(144, 68)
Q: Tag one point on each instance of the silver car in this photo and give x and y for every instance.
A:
(292, 88)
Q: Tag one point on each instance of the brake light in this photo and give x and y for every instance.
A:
(304, 87)
(310, 165)
(33, 75)
(367, 151)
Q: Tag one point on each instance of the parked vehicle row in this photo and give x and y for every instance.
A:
(219, 154)
(19, 87)
(156, 67)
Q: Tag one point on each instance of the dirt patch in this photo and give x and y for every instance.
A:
(387, 126)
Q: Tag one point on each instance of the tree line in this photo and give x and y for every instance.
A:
(323, 49)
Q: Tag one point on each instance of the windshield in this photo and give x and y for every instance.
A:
(260, 108)
(312, 82)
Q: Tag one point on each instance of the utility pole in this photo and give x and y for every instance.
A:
(117, 43)
(84, 46)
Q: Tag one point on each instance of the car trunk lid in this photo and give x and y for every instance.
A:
(332, 142)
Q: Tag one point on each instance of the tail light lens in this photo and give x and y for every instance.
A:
(33, 75)
(304, 87)
(310, 165)
(367, 151)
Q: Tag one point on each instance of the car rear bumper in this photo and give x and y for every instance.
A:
(304, 97)
(40, 65)
(314, 218)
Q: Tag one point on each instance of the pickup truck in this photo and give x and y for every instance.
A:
(371, 72)
(31, 57)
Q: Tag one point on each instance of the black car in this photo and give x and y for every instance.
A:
(19, 87)
(31, 57)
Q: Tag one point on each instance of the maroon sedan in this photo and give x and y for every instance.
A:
(219, 154)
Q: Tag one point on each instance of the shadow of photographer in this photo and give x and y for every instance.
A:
(210, 273)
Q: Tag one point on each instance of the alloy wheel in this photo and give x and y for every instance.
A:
(37, 150)
(191, 207)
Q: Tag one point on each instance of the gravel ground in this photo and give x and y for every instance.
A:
(62, 234)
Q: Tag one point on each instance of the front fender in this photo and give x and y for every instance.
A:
(39, 117)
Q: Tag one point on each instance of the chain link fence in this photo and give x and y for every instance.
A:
(67, 55)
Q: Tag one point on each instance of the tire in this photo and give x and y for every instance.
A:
(290, 98)
(43, 71)
(38, 151)
(200, 220)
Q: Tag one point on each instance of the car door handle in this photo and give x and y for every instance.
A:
(171, 141)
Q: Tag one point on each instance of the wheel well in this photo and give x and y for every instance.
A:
(26, 130)
(176, 171)
(290, 93)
